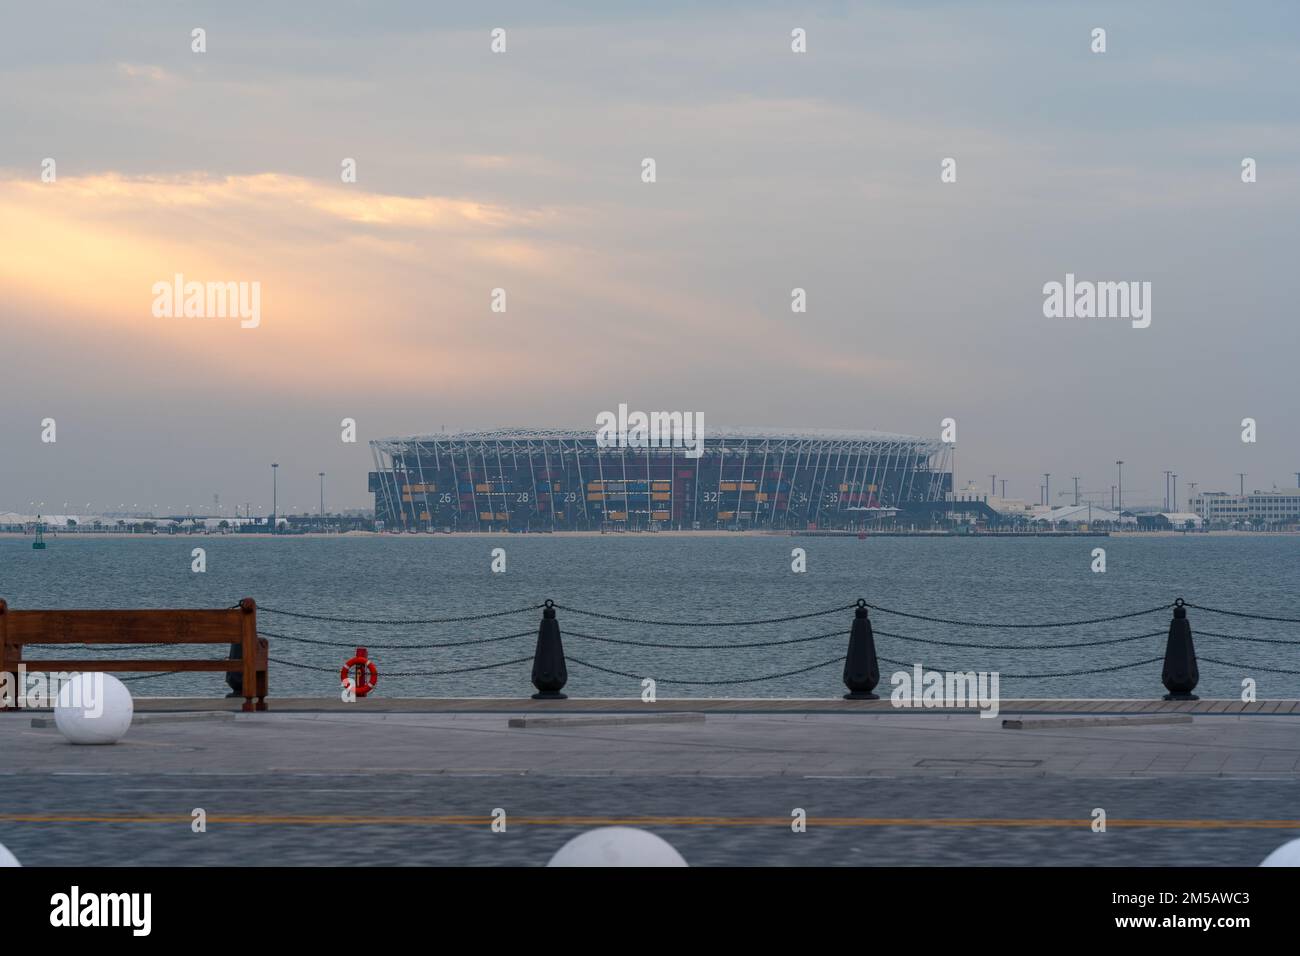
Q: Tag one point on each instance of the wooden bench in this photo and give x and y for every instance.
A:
(235, 626)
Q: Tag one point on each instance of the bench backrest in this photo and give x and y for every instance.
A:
(122, 627)
(237, 625)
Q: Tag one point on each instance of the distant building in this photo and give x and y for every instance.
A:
(1169, 521)
(543, 479)
(1006, 510)
(1256, 509)
(1083, 514)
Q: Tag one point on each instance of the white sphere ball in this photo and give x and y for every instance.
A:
(1288, 854)
(617, 846)
(93, 708)
(7, 858)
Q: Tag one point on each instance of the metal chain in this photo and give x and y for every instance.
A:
(460, 670)
(747, 623)
(125, 680)
(1246, 667)
(696, 647)
(1094, 670)
(305, 667)
(751, 644)
(1254, 640)
(392, 647)
(944, 620)
(641, 620)
(1257, 617)
(707, 683)
(1021, 647)
(431, 620)
(454, 670)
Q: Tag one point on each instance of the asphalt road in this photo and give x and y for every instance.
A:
(1039, 821)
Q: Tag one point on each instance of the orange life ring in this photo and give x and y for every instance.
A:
(363, 687)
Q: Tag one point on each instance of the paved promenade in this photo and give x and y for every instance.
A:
(756, 705)
(417, 782)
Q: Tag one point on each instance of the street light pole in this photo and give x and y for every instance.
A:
(275, 470)
(1120, 466)
(1076, 493)
(1047, 488)
(322, 494)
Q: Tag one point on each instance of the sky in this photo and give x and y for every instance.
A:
(522, 170)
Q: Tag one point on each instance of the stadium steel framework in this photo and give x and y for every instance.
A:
(560, 480)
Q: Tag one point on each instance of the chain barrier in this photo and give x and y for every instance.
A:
(1253, 640)
(1093, 670)
(641, 620)
(758, 621)
(127, 680)
(394, 647)
(398, 622)
(550, 607)
(438, 645)
(1020, 647)
(1248, 667)
(838, 659)
(388, 673)
(1256, 617)
(995, 624)
(701, 647)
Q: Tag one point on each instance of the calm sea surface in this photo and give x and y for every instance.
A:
(697, 579)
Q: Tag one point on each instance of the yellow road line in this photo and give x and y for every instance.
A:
(666, 821)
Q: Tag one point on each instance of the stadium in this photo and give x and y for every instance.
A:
(563, 480)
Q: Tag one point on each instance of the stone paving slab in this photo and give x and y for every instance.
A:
(447, 705)
(603, 720)
(1050, 723)
(805, 743)
(1202, 820)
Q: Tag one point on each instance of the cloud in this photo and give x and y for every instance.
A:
(143, 71)
(360, 290)
(332, 260)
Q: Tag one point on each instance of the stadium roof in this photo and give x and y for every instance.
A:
(710, 432)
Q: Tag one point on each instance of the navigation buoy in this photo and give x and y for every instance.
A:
(39, 543)
(1288, 854)
(617, 846)
(93, 708)
(7, 858)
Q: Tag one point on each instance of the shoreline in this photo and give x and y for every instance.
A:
(52, 536)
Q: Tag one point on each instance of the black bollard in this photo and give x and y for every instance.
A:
(1180, 674)
(861, 669)
(549, 672)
